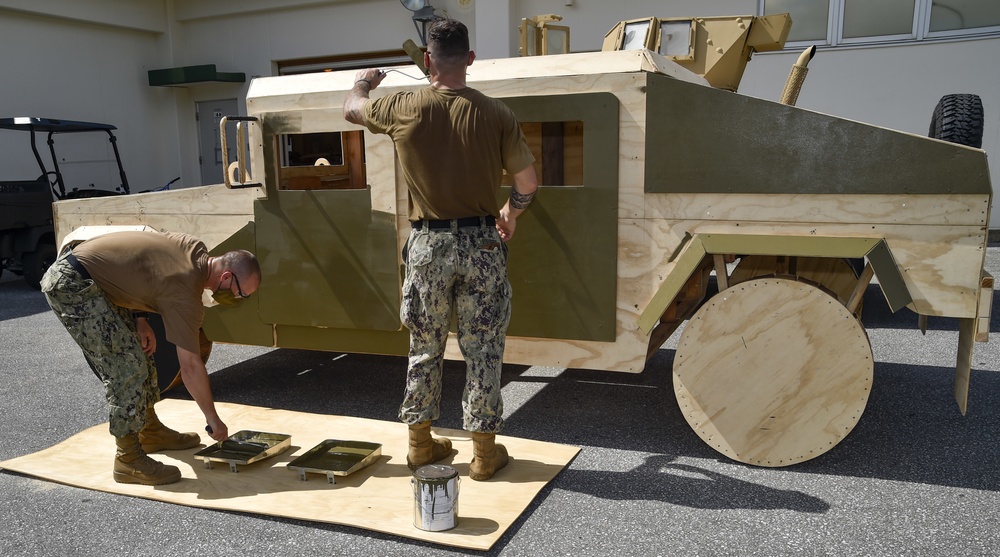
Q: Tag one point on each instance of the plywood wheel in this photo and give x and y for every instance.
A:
(773, 372)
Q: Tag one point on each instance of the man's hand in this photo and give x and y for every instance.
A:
(373, 76)
(506, 225)
(147, 338)
(354, 104)
(217, 430)
(195, 378)
(521, 194)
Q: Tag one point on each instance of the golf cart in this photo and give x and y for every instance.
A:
(27, 236)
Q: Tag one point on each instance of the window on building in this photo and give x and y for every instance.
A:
(809, 19)
(846, 22)
(961, 15)
(885, 18)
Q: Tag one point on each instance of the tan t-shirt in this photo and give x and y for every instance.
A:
(149, 271)
(453, 146)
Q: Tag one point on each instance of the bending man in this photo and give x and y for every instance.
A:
(101, 290)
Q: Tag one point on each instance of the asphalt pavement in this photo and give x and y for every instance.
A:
(915, 477)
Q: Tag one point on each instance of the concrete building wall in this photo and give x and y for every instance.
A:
(58, 67)
(87, 60)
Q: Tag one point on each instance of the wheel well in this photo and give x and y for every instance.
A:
(696, 250)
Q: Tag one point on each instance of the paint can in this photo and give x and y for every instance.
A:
(435, 497)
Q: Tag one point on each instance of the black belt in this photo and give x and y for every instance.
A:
(467, 222)
(75, 263)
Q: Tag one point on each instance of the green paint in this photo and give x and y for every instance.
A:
(563, 260)
(889, 278)
(330, 262)
(702, 140)
(241, 323)
(192, 74)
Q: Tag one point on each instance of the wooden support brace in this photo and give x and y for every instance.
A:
(721, 273)
(859, 289)
(963, 367)
(985, 305)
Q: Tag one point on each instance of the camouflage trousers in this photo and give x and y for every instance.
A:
(108, 337)
(461, 271)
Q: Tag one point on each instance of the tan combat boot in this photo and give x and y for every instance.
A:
(155, 436)
(487, 456)
(132, 466)
(423, 448)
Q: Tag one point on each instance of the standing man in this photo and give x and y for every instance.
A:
(101, 290)
(453, 143)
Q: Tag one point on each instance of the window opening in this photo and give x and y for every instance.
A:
(328, 160)
(558, 151)
(321, 161)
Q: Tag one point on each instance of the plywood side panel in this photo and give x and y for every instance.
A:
(217, 199)
(626, 354)
(944, 209)
(210, 229)
(940, 264)
(211, 213)
(382, 177)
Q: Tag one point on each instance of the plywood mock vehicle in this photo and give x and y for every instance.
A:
(651, 181)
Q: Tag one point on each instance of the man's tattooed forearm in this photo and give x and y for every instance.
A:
(354, 114)
(520, 200)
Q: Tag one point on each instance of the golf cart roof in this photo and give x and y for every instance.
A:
(27, 123)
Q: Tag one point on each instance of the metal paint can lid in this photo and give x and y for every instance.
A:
(435, 473)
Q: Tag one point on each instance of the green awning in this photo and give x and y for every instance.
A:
(187, 75)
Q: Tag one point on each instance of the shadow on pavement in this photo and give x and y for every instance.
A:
(911, 430)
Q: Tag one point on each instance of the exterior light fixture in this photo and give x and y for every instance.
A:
(423, 13)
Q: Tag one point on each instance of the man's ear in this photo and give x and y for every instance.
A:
(472, 57)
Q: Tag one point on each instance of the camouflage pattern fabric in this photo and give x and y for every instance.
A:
(462, 270)
(108, 337)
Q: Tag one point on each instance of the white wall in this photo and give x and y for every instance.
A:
(60, 68)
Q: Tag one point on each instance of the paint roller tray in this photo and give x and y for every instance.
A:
(245, 447)
(334, 457)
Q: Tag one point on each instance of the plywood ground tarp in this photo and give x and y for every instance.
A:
(378, 497)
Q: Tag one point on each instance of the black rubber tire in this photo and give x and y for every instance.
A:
(958, 118)
(37, 262)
